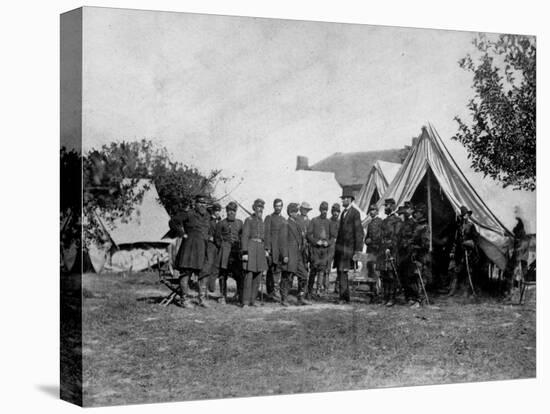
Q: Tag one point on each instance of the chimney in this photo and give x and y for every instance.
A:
(302, 163)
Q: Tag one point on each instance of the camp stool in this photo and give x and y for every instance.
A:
(169, 278)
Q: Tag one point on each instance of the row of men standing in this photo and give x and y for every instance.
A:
(283, 248)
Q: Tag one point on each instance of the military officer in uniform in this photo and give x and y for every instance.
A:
(273, 224)
(373, 241)
(254, 253)
(405, 265)
(464, 251)
(192, 226)
(420, 245)
(390, 227)
(228, 239)
(349, 241)
(320, 239)
(293, 244)
(210, 270)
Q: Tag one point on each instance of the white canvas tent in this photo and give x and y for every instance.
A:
(494, 208)
(137, 241)
(380, 176)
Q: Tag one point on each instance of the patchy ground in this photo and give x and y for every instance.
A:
(136, 351)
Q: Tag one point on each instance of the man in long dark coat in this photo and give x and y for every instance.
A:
(320, 239)
(420, 245)
(254, 253)
(192, 226)
(228, 239)
(390, 227)
(374, 242)
(405, 265)
(210, 270)
(273, 224)
(464, 252)
(293, 245)
(348, 242)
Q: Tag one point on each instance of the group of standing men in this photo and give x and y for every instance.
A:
(282, 249)
(400, 251)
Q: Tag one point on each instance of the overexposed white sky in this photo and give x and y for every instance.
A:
(248, 95)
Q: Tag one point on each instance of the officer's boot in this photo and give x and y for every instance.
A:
(453, 286)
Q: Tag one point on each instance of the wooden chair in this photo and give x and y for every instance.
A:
(169, 277)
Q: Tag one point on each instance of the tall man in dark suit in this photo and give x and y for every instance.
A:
(273, 223)
(348, 242)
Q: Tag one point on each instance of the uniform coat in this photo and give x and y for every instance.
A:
(349, 239)
(228, 239)
(374, 235)
(320, 230)
(252, 244)
(193, 227)
(334, 225)
(273, 224)
(293, 245)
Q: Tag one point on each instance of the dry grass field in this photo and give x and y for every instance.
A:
(136, 351)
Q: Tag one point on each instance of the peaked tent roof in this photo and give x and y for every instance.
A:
(430, 151)
(147, 223)
(381, 175)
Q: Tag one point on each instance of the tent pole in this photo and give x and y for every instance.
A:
(429, 194)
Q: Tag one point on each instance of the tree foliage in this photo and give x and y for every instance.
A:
(501, 140)
(109, 177)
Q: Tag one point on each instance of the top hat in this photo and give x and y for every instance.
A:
(347, 193)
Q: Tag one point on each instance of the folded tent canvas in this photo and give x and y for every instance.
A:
(430, 171)
(380, 176)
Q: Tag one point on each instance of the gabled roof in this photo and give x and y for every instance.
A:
(352, 168)
(381, 175)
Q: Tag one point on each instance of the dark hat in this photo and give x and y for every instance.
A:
(216, 207)
(335, 207)
(389, 201)
(323, 206)
(373, 207)
(464, 210)
(421, 208)
(402, 210)
(347, 193)
(305, 205)
(292, 208)
(258, 203)
(231, 206)
(408, 204)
